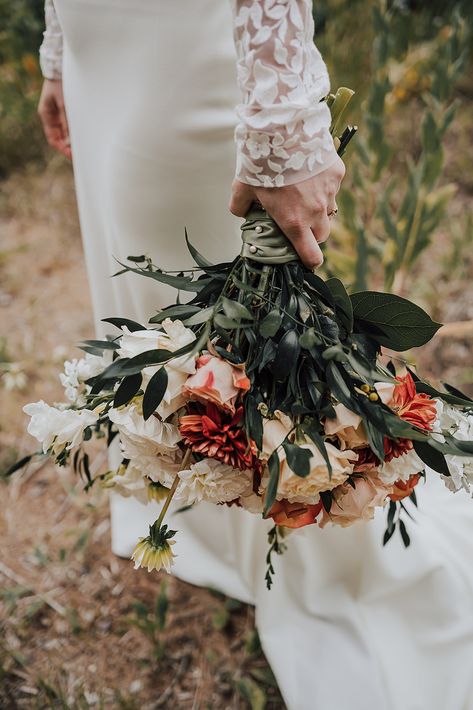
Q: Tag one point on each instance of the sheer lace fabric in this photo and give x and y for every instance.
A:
(50, 52)
(282, 136)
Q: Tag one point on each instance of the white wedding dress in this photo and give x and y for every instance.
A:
(150, 90)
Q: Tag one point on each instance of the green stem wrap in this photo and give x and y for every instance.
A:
(263, 241)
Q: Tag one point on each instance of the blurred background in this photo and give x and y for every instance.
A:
(78, 627)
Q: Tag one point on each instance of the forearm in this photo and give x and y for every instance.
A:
(282, 136)
(50, 52)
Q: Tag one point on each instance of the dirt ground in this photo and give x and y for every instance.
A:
(78, 626)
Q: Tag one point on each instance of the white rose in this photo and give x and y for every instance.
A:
(140, 437)
(57, 429)
(401, 467)
(459, 424)
(173, 337)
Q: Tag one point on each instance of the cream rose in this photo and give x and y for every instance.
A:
(347, 427)
(359, 503)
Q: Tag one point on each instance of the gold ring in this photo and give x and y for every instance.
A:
(333, 213)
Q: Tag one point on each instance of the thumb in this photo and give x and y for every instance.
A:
(241, 198)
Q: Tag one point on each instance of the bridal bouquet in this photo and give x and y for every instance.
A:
(267, 390)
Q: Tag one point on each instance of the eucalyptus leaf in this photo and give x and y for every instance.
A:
(310, 427)
(431, 457)
(234, 309)
(287, 355)
(272, 489)
(198, 258)
(343, 305)
(127, 389)
(181, 311)
(298, 458)
(154, 392)
(270, 324)
(124, 322)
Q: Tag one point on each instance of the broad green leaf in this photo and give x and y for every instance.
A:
(154, 392)
(270, 324)
(253, 421)
(393, 321)
(102, 344)
(127, 389)
(201, 316)
(309, 339)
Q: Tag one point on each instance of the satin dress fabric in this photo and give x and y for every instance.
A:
(150, 91)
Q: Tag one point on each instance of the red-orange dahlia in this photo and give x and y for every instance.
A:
(213, 433)
(402, 489)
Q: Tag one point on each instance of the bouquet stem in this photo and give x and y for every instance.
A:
(172, 490)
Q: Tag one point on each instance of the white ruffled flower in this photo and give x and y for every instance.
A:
(161, 468)
(401, 467)
(128, 481)
(213, 481)
(459, 424)
(75, 373)
(57, 429)
(173, 336)
(139, 437)
(252, 502)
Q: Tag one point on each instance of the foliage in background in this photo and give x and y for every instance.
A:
(21, 26)
(407, 107)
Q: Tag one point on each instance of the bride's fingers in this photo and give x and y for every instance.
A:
(304, 242)
(241, 198)
(321, 226)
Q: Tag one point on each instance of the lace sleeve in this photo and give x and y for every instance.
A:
(282, 136)
(50, 52)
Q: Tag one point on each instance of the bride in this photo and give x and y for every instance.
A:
(150, 90)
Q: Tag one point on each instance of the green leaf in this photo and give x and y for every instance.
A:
(251, 692)
(272, 489)
(19, 464)
(253, 421)
(270, 324)
(404, 534)
(201, 316)
(309, 339)
(311, 428)
(319, 286)
(234, 309)
(127, 389)
(183, 283)
(102, 344)
(180, 311)
(155, 357)
(393, 321)
(198, 258)
(298, 459)
(287, 355)
(155, 392)
(431, 457)
(121, 322)
(342, 302)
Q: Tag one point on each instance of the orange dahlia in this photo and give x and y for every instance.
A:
(402, 489)
(209, 431)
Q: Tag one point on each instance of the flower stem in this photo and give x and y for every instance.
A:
(172, 490)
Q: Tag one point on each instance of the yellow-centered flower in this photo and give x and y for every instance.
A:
(155, 550)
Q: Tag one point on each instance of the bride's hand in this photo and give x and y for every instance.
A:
(53, 116)
(301, 210)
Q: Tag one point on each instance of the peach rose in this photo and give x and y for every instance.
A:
(307, 490)
(347, 427)
(217, 380)
(352, 504)
(403, 489)
(274, 432)
(294, 515)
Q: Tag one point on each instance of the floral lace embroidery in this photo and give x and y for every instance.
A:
(282, 136)
(283, 132)
(50, 52)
